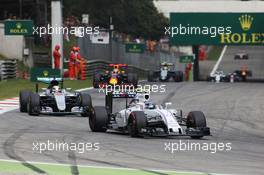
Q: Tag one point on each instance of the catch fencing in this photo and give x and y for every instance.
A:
(8, 69)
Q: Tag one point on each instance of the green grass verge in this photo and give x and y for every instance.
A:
(11, 88)
(214, 53)
(18, 168)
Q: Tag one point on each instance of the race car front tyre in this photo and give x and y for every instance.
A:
(196, 120)
(34, 104)
(98, 119)
(86, 103)
(209, 78)
(23, 100)
(136, 122)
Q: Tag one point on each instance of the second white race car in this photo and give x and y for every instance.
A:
(142, 117)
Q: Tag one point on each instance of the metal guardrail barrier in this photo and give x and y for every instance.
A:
(102, 65)
(8, 69)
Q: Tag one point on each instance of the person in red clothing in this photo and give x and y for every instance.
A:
(188, 68)
(72, 63)
(78, 63)
(56, 57)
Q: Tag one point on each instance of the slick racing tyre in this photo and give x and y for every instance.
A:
(196, 119)
(86, 103)
(136, 122)
(98, 119)
(34, 104)
(23, 100)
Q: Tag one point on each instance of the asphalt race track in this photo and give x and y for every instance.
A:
(254, 63)
(234, 113)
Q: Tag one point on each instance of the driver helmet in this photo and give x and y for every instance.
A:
(115, 71)
(149, 105)
(56, 88)
(134, 101)
(54, 83)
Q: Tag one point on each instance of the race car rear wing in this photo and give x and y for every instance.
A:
(118, 65)
(112, 95)
(167, 64)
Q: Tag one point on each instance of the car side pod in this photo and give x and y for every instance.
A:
(196, 125)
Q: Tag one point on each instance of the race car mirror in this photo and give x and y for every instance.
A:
(146, 97)
(167, 105)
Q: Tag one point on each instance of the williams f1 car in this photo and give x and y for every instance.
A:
(165, 74)
(218, 76)
(55, 100)
(144, 118)
(241, 56)
(117, 76)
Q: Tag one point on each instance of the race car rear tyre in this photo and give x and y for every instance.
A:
(96, 80)
(34, 104)
(98, 119)
(196, 119)
(209, 78)
(136, 122)
(178, 76)
(23, 100)
(86, 103)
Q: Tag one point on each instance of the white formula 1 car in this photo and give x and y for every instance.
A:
(142, 117)
(241, 56)
(166, 73)
(54, 100)
(218, 76)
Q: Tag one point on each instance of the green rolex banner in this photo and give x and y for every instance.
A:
(187, 59)
(44, 74)
(135, 48)
(216, 28)
(19, 27)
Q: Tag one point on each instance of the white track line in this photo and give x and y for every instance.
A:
(219, 60)
(108, 167)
